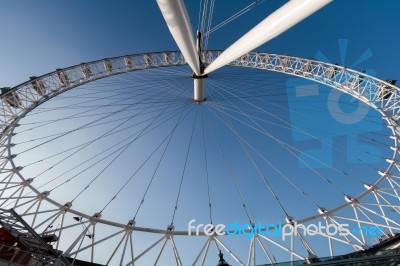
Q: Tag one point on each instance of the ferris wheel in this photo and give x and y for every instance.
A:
(178, 157)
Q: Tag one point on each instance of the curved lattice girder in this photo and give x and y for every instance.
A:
(370, 207)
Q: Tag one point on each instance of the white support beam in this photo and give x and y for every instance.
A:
(177, 19)
(281, 20)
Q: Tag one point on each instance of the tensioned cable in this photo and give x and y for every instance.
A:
(158, 164)
(206, 165)
(239, 138)
(312, 98)
(286, 124)
(94, 121)
(234, 16)
(286, 146)
(146, 83)
(144, 162)
(133, 108)
(107, 135)
(81, 127)
(184, 167)
(229, 124)
(291, 148)
(203, 19)
(109, 164)
(239, 193)
(306, 133)
(105, 157)
(247, 95)
(200, 16)
(280, 172)
(209, 21)
(78, 117)
(41, 109)
(91, 142)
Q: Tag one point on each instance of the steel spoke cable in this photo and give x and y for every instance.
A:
(175, 85)
(234, 16)
(78, 106)
(239, 193)
(365, 139)
(200, 16)
(209, 21)
(316, 159)
(149, 78)
(291, 150)
(362, 138)
(87, 127)
(280, 172)
(103, 85)
(71, 178)
(234, 79)
(79, 145)
(148, 84)
(183, 71)
(94, 94)
(76, 117)
(206, 165)
(262, 130)
(83, 126)
(123, 140)
(53, 121)
(167, 139)
(229, 84)
(311, 117)
(69, 106)
(203, 19)
(184, 166)
(261, 175)
(288, 125)
(105, 134)
(107, 156)
(112, 146)
(118, 155)
(103, 117)
(87, 167)
(90, 143)
(156, 169)
(288, 148)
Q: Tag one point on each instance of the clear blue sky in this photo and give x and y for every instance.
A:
(39, 36)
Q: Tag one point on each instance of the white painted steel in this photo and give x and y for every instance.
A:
(380, 95)
(177, 19)
(198, 94)
(281, 20)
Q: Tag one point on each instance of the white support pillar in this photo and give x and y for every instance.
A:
(177, 19)
(198, 90)
(281, 20)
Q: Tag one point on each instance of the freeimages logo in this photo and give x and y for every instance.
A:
(283, 230)
(325, 112)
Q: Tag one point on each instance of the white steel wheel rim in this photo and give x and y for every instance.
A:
(369, 91)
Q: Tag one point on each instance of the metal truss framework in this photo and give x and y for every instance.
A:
(38, 250)
(370, 207)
